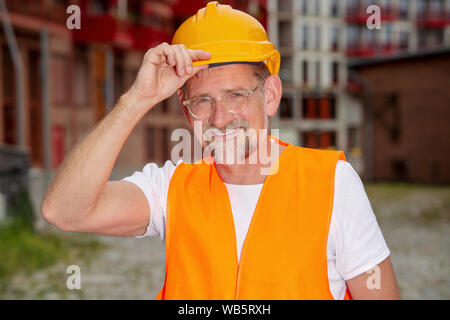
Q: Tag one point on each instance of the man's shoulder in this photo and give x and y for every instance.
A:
(318, 154)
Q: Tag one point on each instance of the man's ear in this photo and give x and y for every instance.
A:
(272, 94)
(183, 108)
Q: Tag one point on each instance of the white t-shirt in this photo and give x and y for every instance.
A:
(355, 242)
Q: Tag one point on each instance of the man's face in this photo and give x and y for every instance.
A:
(224, 127)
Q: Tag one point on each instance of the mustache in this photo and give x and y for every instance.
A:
(233, 124)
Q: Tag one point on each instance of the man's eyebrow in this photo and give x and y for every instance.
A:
(206, 94)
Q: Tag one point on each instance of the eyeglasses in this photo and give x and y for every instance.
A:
(204, 107)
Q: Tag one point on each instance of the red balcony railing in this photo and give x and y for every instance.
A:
(368, 50)
(103, 28)
(145, 37)
(358, 14)
(433, 19)
(106, 28)
(360, 51)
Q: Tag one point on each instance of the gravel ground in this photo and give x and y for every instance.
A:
(126, 268)
(415, 221)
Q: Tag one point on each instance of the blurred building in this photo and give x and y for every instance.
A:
(317, 39)
(87, 71)
(408, 102)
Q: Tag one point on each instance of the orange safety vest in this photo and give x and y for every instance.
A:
(284, 254)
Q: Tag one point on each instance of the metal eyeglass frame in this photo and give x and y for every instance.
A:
(247, 93)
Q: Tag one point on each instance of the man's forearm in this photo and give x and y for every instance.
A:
(87, 168)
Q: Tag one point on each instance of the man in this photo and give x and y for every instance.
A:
(304, 230)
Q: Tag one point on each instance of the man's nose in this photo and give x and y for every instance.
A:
(221, 115)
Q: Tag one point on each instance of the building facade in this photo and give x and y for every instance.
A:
(87, 71)
(409, 107)
(317, 38)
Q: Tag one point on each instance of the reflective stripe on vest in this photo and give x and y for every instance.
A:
(284, 254)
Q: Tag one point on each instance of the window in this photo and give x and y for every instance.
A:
(318, 73)
(99, 7)
(309, 105)
(436, 37)
(304, 7)
(317, 38)
(386, 35)
(60, 79)
(317, 139)
(305, 72)
(368, 37)
(319, 107)
(334, 8)
(332, 99)
(286, 69)
(335, 72)
(421, 6)
(351, 6)
(286, 105)
(335, 38)
(422, 38)
(285, 34)
(317, 8)
(352, 36)
(400, 169)
(352, 138)
(436, 7)
(403, 9)
(8, 82)
(81, 80)
(404, 40)
(285, 6)
(305, 37)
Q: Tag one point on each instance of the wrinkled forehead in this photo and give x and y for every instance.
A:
(226, 75)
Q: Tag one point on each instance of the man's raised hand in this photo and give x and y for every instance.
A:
(165, 68)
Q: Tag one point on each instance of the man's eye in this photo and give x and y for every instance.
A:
(202, 100)
(237, 95)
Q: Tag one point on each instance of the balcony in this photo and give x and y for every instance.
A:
(361, 50)
(433, 19)
(145, 37)
(107, 29)
(101, 28)
(49, 11)
(358, 14)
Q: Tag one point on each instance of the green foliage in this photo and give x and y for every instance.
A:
(22, 249)
(20, 209)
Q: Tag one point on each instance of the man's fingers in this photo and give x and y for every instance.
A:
(181, 61)
(187, 59)
(194, 71)
(199, 54)
(161, 53)
(177, 56)
(168, 55)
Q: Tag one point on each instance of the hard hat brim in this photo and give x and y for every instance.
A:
(238, 51)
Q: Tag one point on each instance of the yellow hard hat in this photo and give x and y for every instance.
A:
(229, 35)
